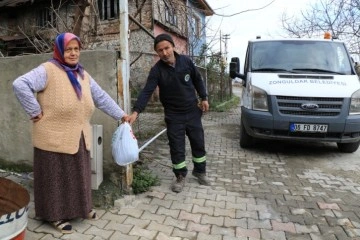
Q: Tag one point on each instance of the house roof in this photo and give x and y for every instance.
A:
(204, 6)
(13, 3)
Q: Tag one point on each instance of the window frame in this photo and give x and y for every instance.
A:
(108, 9)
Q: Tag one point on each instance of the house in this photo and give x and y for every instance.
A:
(30, 26)
(183, 19)
(198, 11)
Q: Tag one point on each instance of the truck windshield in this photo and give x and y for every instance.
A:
(300, 56)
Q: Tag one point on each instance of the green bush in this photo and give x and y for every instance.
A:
(143, 179)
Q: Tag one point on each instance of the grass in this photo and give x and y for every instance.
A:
(143, 180)
(18, 167)
(225, 106)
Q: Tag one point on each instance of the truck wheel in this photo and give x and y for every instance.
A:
(348, 147)
(245, 139)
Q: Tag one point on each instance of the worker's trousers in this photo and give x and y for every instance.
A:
(178, 126)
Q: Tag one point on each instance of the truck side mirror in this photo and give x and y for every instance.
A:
(234, 68)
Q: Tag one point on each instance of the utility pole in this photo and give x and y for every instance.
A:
(123, 76)
(226, 37)
(221, 70)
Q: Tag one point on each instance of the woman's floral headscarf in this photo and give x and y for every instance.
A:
(61, 42)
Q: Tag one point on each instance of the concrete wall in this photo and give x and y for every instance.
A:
(15, 126)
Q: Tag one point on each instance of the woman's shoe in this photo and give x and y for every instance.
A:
(63, 226)
(92, 215)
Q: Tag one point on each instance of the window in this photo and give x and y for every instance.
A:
(196, 26)
(108, 9)
(170, 16)
(46, 18)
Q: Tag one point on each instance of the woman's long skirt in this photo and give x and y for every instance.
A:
(62, 184)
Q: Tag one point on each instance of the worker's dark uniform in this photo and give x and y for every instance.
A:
(177, 89)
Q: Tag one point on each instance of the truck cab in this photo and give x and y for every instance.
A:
(301, 90)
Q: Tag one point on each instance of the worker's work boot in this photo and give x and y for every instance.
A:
(202, 178)
(179, 184)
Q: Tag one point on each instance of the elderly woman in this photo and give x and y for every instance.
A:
(61, 111)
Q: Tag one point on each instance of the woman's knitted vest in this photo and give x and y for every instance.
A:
(65, 117)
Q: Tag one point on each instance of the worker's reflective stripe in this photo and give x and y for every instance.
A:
(199, 160)
(179, 165)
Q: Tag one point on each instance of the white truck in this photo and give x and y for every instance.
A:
(299, 89)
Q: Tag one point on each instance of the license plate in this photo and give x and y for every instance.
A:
(304, 127)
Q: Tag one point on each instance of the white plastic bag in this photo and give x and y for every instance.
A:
(125, 149)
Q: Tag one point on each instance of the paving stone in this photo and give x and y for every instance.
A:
(205, 219)
(195, 201)
(350, 215)
(323, 237)
(184, 234)
(333, 206)
(310, 220)
(235, 222)
(247, 214)
(155, 226)
(323, 213)
(308, 204)
(224, 212)
(114, 217)
(148, 207)
(249, 233)
(286, 227)
(299, 219)
(260, 224)
(153, 217)
(269, 214)
(306, 229)
(293, 198)
(245, 200)
(163, 236)
(211, 203)
(189, 216)
(116, 226)
(206, 196)
(162, 203)
(291, 236)
(136, 222)
(232, 205)
(176, 223)
(223, 231)
(275, 235)
(203, 236)
(203, 210)
(196, 227)
(29, 235)
(99, 232)
(297, 211)
(168, 212)
(353, 232)
(255, 207)
(288, 203)
(181, 206)
(76, 235)
(137, 231)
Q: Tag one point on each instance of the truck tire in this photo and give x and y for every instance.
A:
(348, 147)
(246, 140)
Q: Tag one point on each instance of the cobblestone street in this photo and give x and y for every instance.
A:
(277, 190)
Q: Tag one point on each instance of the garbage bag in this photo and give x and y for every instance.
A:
(125, 148)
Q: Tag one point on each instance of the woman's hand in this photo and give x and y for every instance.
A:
(37, 118)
